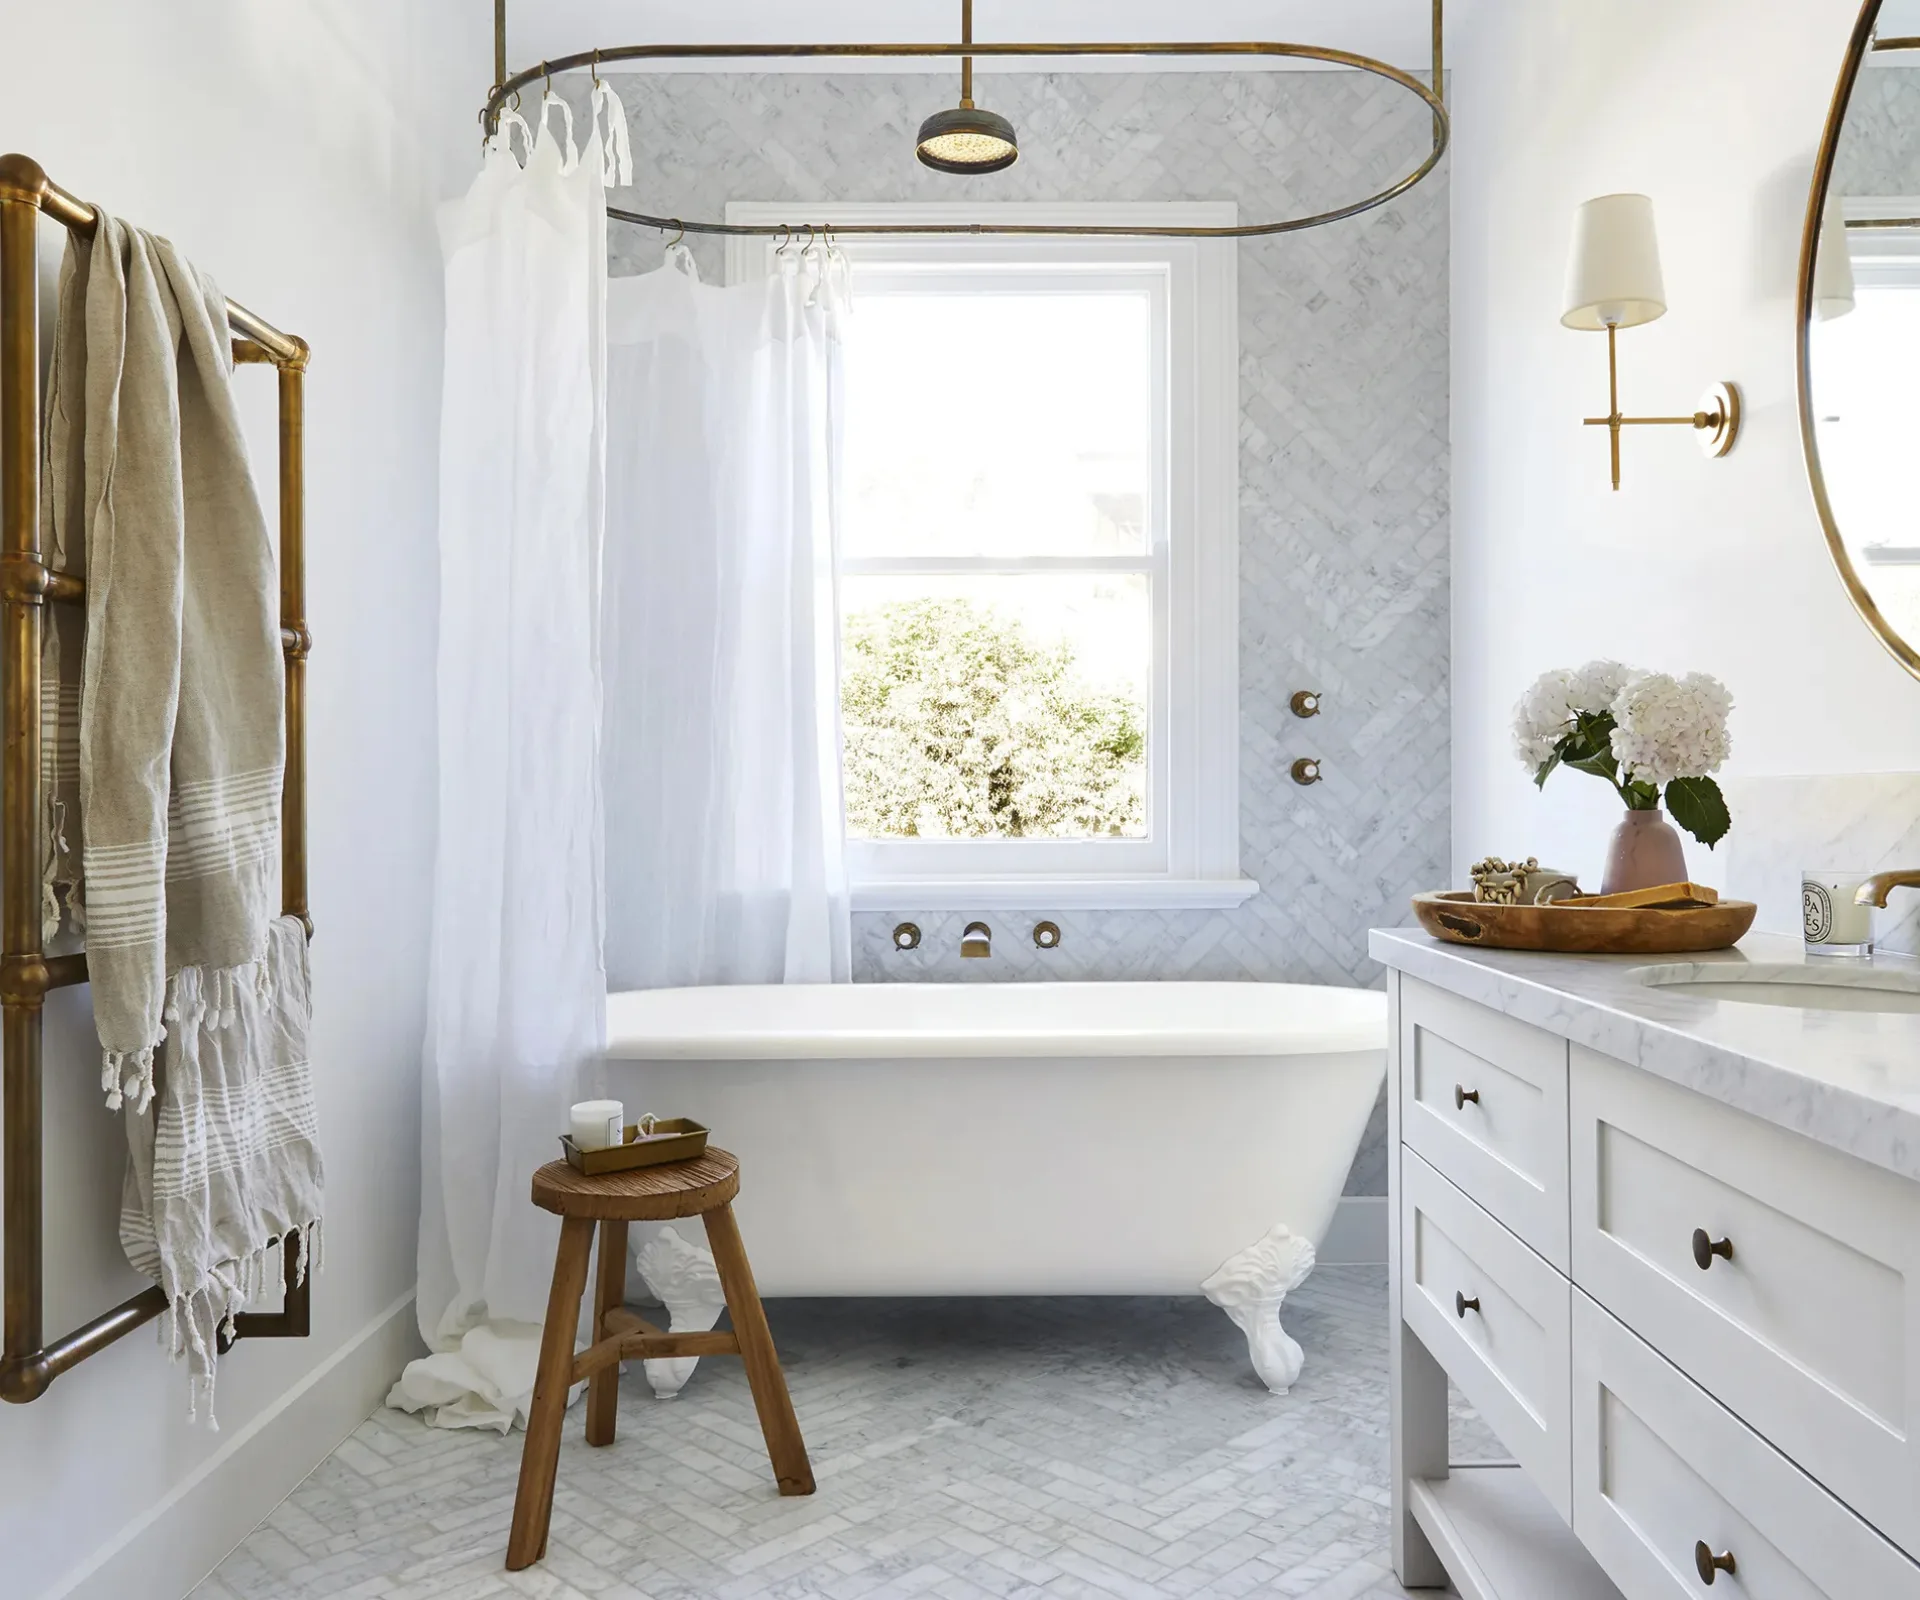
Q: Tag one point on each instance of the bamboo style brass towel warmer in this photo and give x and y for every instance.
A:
(29, 1363)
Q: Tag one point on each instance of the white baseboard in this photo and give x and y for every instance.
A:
(169, 1549)
(1358, 1237)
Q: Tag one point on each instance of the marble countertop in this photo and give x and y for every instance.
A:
(1849, 1079)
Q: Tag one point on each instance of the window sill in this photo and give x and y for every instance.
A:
(1054, 894)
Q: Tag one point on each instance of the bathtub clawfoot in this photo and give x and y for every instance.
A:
(683, 1278)
(1251, 1287)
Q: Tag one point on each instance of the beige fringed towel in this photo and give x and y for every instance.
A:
(181, 742)
(164, 750)
(225, 1164)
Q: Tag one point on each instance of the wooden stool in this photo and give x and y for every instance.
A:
(700, 1188)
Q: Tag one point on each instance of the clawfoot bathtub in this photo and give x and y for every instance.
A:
(1015, 1139)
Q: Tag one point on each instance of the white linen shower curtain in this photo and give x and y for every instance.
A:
(516, 1006)
(725, 812)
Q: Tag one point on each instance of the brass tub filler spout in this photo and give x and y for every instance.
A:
(976, 944)
(1877, 889)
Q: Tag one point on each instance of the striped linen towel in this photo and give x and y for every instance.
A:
(181, 734)
(224, 1165)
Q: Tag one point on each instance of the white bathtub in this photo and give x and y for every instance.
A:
(1021, 1139)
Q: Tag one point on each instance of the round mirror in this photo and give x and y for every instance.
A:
(1860, 325)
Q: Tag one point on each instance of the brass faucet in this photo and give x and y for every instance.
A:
(1875, 890)
(976, 944)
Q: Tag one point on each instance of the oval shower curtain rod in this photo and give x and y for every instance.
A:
(965, 50)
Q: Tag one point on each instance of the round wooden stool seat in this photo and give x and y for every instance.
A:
(644, 1194)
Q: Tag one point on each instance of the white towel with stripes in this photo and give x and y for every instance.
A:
(225, 1168)
(181, 732)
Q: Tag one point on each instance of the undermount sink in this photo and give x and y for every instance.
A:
(1798, 988)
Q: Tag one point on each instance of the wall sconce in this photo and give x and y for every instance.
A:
(1613, 282)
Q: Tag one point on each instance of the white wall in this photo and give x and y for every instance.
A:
(1715, 109)
(296, 151)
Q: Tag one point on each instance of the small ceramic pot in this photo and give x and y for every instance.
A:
(1645, 853)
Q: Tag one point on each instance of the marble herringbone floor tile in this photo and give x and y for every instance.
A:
(1047, 1448)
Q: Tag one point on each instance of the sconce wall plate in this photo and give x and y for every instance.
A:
(1721, 406)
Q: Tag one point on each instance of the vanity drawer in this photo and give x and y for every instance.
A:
(1494, 1315)
(1484, 1098)
(1661, 1468)
(1803, 1320)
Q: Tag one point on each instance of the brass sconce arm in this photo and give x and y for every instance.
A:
(1717, 420)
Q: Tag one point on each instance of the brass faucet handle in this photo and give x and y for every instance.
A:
(1876, 890)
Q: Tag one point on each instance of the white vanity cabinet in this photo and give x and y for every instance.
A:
(1694, 1331)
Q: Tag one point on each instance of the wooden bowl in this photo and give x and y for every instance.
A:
(1584, 930)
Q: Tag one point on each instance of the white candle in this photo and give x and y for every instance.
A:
(1836, 924)
(599, 1124)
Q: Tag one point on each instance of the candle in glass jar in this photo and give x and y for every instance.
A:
(598, 1124)
(1836, 924)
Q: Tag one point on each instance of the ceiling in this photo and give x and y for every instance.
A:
(1399, 31)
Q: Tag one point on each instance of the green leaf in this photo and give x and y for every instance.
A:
(1598, 766)
(1547, 766)
(1699, 807)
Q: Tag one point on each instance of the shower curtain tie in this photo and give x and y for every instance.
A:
(503, 137)
(616, 141)
(547, 102)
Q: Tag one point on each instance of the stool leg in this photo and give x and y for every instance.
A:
(540, 1455)
(603, 1388)
(785, 1447)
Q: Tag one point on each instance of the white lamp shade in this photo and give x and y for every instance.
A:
(1614, 279)
(1833, 286)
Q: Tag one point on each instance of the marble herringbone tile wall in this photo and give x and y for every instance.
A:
(1878, 157)
(1344, 460)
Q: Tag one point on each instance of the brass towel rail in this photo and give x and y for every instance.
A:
(29, 1363)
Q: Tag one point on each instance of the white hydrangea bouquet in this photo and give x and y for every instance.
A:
(1648, 734)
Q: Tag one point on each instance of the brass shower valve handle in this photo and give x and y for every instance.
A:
(1306, 771)
(1306, 703)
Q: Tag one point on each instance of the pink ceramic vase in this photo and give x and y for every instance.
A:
(1645, 853)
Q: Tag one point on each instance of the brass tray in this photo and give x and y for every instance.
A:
(672, 1139)
(1584, 930)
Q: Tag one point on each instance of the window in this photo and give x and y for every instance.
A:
(1038, 562)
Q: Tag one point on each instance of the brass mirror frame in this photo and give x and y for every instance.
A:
(1863, 44)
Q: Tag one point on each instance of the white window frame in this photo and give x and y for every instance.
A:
(1193, 859)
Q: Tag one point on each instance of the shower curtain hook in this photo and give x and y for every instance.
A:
(681, 236)
(596, 66)
(786, 238)
(807, 248)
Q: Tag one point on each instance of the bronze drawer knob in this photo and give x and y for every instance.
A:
(1462, 1305)
(1462, 1094)
(1705, 1248)
(1710, 1565)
